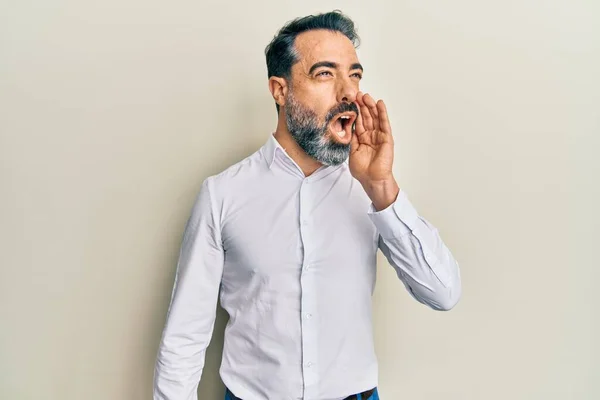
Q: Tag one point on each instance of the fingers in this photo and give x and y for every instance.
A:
(372, 106)
(365, 114)
(359, 128)
(384, 121)
(373, 115)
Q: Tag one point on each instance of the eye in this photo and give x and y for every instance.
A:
(324, 72)
(357, 75)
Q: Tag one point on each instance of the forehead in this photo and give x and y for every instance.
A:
(323, 45)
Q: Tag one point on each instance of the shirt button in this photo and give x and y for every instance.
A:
(308, 316)
(309, 364)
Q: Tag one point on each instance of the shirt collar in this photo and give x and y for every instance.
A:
(270, 149)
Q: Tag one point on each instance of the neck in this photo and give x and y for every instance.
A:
(307, 164)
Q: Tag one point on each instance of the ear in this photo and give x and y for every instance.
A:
(279, 88)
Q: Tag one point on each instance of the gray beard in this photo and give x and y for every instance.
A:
(302, 123)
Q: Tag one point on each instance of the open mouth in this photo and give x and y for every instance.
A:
(341, 126)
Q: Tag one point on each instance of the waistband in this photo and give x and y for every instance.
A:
(370, 394)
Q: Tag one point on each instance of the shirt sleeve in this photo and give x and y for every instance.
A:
(413, 246)
(192, 309)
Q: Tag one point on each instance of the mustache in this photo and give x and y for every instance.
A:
(341, 108)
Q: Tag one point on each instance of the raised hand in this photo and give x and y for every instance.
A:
(372, 151)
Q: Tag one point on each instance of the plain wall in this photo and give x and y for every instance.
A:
(112, 113)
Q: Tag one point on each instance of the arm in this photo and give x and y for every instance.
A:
(414, 248)
(410, 243)
(192, 310)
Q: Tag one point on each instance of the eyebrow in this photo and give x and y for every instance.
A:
(331, 64)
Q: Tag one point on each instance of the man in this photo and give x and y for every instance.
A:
(289, 237)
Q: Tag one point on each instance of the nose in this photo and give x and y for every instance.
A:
(347, 91)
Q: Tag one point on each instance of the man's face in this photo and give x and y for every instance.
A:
(319, 108)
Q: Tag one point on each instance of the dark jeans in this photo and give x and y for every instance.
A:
(368, 395)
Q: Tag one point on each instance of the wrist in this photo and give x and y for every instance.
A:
(382, 192)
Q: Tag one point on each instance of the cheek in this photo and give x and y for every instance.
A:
(319, 97)
(322, 102)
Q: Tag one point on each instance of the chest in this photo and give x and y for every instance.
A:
(277, 231)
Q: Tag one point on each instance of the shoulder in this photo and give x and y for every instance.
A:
(235, 176)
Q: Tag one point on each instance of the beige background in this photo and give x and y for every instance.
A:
(112, 113)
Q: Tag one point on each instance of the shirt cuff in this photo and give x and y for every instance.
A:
(397, 220)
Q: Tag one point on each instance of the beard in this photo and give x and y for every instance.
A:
(303, 125)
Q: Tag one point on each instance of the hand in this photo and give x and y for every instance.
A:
(372, 151)
(372, 145)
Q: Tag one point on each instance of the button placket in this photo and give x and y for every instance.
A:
(308, 298)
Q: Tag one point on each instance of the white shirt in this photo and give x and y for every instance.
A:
(292, 260)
